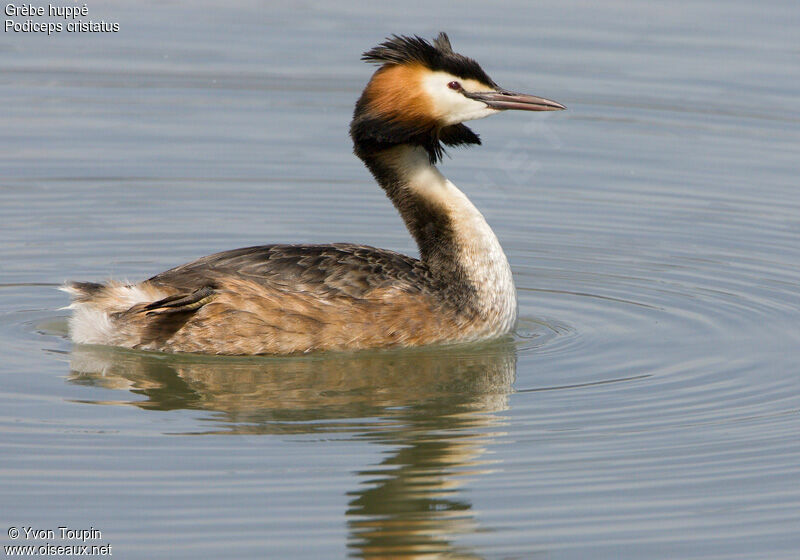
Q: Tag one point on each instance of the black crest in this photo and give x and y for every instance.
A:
(439, 55)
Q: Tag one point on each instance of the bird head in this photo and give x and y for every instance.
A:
(424, 91)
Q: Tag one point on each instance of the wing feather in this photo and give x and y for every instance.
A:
(340, 270)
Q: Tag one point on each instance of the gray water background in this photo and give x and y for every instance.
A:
(648, 405)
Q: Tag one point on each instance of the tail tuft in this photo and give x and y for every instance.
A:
(82, 291)
(100, 311)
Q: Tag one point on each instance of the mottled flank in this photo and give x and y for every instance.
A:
(274, 299)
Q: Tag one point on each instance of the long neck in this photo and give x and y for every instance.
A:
(454, 240)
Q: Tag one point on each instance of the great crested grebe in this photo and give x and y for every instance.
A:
(282, 299)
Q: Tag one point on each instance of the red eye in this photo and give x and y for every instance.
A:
(454, 85)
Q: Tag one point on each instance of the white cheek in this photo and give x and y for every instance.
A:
(451, 106)
(469, 112)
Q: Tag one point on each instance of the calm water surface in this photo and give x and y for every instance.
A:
(648, 406)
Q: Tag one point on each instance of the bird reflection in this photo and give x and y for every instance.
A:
(434, 410)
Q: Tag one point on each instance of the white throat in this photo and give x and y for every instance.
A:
(479, 251)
